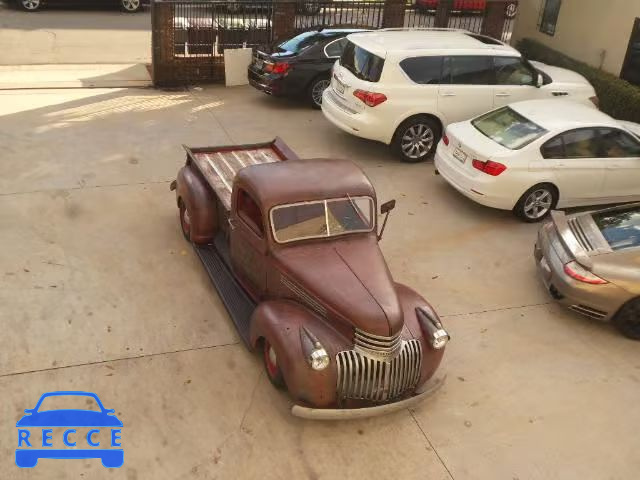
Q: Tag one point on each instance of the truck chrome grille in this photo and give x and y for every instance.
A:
(367, 378)
(376, 344)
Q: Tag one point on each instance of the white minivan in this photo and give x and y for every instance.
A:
(402, 87)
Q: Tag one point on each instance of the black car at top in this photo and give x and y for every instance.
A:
(300, 66)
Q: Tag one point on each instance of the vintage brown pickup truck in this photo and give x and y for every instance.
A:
(292, 247)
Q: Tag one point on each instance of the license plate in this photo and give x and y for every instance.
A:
(460, 155)
(338, 86)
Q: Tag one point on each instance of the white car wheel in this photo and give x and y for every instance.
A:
(536, 203)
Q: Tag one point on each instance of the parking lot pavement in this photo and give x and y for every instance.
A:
(99, 292)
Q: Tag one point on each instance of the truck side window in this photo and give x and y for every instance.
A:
(249, 212)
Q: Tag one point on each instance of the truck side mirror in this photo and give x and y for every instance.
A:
(385, 209)
(539, 80)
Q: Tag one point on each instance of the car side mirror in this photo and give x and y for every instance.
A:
(539, 80)
(109, 411)
(385, 209)
(28, 410)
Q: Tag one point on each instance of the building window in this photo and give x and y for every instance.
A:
(549, 18)
(631, 67)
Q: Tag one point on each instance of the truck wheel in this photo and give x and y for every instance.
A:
(185, 221)
(627, 320)
(271, 366)
(416, 138)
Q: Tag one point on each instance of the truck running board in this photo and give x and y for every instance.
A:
(235, 299)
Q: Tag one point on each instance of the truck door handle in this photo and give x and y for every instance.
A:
(503, 94)
(448, 94)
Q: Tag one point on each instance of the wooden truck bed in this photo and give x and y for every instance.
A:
(219, 165)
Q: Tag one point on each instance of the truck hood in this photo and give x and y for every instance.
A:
(561, 75)
(348, 276)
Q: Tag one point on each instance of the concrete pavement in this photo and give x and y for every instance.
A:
(74, 36)
(100, 292)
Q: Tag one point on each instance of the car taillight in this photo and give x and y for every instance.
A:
(595, 101)
(578, 272)
(370, 98)
(279, 68)
(490, 168)
(445, 139)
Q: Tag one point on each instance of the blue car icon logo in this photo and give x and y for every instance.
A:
(103, 429)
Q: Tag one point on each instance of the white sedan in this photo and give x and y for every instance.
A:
(534, 156)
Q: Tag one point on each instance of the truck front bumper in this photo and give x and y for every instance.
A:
(426, 390)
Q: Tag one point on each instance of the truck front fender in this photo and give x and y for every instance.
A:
(201, 203)
(431, 358)
(280, 322)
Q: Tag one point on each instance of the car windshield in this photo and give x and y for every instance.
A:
(362, 63)
(621, 228)
(299, 43)
(322, 218)
(508, 128)
(69, 402)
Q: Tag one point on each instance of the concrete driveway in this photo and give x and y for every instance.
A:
(99, 292)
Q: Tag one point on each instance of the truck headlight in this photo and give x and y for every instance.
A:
(317, 356)
(432, 327)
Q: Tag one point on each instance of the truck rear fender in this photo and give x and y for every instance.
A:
(410, 300)
(281, 322)
(201, 203)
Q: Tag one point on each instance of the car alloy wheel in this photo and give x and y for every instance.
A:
(30, 5)
(417, 141)
(538, 204)
(131, 5)
(317, 89)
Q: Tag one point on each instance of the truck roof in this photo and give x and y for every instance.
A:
(303, 180)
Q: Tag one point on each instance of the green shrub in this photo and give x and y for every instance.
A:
(618, 98)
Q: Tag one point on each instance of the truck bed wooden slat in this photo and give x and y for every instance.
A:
(220, 167)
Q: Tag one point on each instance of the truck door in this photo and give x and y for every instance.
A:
(247, 243)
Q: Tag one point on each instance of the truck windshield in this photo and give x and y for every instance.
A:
(508, 128)
(322, 218)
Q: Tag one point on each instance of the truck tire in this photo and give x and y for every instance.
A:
(185, 221)
(197, 205)
(271, 365)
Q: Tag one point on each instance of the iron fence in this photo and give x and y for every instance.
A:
(189, 37)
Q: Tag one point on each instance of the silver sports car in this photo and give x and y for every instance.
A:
(591, 263)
